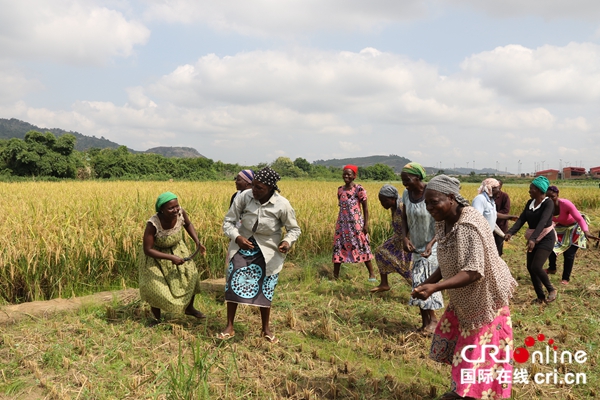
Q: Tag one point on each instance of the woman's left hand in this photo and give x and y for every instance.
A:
(530, 246)
(423, 291)
(284, 247)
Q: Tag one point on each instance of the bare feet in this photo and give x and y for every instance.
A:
(194, 313)
(379, 289)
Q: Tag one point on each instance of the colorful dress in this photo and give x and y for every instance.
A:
(163, 284)
(478, 313)
(350, 244)
(390, 256)
(421, 229)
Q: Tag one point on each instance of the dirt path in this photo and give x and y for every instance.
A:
(42, 309)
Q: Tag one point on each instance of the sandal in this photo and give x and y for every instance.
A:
(379, 289)
(538, 301)
(552, 296)
(270, 338)
(564, 282)
(196, 314)
(225, 336)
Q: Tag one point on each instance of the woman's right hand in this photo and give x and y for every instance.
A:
(507, 237)
(408, 246)
(244, 243)
(177, 260)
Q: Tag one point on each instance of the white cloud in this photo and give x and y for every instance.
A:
(14, 84)
(288, 18)
(548, 74)
(580, 9)
(67, 31)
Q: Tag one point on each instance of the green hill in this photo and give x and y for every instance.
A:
(394, 161)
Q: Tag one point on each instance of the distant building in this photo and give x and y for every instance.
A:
(595, 172)
(574, 173)
(551, 174)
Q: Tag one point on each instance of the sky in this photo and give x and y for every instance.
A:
(512, 85)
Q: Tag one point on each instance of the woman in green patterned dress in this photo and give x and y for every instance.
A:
(167, 280)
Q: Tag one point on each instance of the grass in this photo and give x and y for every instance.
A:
(336, 341)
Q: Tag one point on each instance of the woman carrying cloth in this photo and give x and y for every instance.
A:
(390, 256)
(257, 248)
(572, 233)
(540, 237)
(418, 232)
(480, 286)
(168, 279)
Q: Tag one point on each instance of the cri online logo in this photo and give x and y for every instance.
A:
(521, 354)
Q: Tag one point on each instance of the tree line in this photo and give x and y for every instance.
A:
(43, 155)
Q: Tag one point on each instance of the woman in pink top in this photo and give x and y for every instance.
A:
(572, 233)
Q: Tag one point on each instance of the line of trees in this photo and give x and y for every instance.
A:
(45, 155)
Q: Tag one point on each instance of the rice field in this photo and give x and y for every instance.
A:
(73, 238)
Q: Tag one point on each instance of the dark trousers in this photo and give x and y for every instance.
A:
(539, 278)
(569, 260)
(499, 244)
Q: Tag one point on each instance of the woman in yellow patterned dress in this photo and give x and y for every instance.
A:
(168, 280)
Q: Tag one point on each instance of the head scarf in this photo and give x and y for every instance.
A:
(487, 185)
(415, 169)
(268, 177)
(389, 191)
(247, 175)
(542, 183)
(164, 198)
(354, 168)
(553, 188)
(447, 185)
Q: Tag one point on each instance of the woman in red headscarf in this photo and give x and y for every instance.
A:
(351, 242)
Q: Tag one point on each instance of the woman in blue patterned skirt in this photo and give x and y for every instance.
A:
(257, 248)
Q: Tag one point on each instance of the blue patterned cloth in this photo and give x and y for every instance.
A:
(247, 282)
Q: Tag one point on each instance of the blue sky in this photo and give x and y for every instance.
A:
(442, 82)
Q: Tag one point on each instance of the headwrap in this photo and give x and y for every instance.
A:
(389, 191)
(553, 188)
(247, 175)
(268, 177)
(542, 183)
(354, 168)
(415, 169)
(447, 185)
(487, 185)
(164, 198)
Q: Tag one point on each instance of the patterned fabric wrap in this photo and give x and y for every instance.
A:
(247, 175)
(414, 168)
(483, 378)
(350, 244)
(247, 281)
(163, 284)
(542, 183)
(268, 177)
(390, 256)
(164, 198)
(421, 229)
(447, 185)
(487, 185)
(390, 191)
(570, 235)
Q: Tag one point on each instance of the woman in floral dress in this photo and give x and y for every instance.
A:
(351, 241)
(480, 286)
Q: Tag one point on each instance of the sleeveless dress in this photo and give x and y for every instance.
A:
(390, 256)
(421, 229)
(163, 284)
(350, 244)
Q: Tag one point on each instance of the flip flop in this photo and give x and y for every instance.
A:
(552, 296)
(372, 279)
(225, 336)
(196, 314)
(377, 289)
(564, 282)
(271, 338)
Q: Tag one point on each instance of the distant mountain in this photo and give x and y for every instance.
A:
(394, 161)
(14, 128)
(180, 152)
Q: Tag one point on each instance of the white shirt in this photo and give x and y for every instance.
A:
(272, 216)
(487, 207)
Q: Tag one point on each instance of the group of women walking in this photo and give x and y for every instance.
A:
(440, 242)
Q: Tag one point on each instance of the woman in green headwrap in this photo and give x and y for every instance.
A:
(167, 280)
(540, 237)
